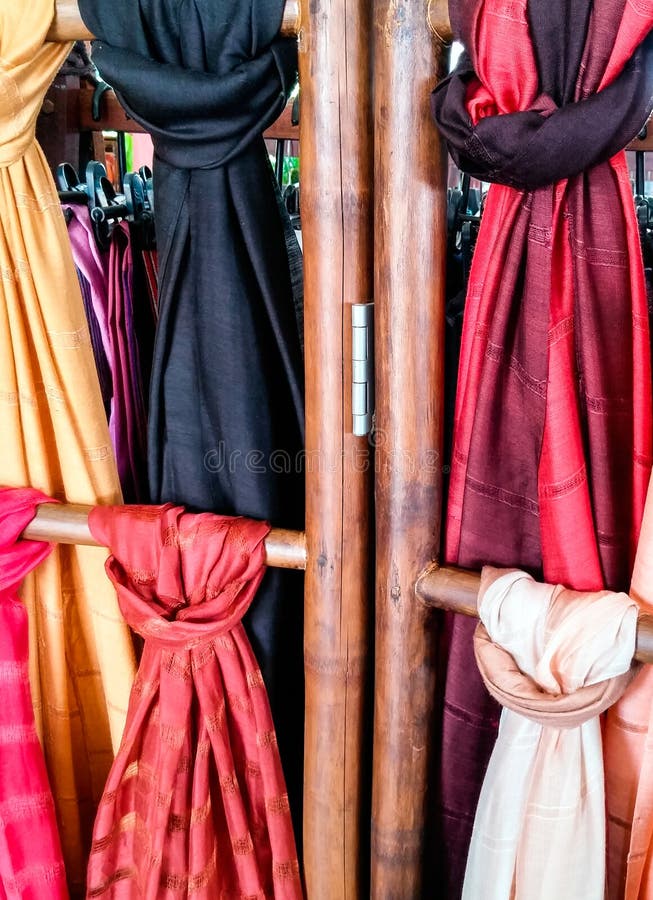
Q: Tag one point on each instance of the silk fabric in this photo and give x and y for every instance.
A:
(552, 446)
(31, 862)
(54, 436)
(225, 431)
(555, 659)
(195, 804)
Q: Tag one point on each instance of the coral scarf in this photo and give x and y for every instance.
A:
(552, 444)
(196, 800)
(628, 740)
(31, 864)
(555, 659)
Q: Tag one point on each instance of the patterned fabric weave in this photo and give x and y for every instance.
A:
(31, 864)
(552, 447)
(54, 436)
(196, 803)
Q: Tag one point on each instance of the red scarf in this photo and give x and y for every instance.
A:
(195, 803)
(31, 863)
(552, 446)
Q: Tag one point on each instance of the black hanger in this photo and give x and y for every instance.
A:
(105, 206)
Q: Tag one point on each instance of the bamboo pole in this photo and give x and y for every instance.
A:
(67, 24)
(410, 228)
(457, 590)
(68, 524)
(336, 180)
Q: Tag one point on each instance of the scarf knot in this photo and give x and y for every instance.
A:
(558, 660)
(184, 580)
(544, 142)
(205, 80)
(555, 656)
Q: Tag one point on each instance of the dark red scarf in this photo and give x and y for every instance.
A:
(195, 804)
(552, 447)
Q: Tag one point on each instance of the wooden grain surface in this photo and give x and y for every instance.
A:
(114, 118)
(68, 524)
(67, 24)
(410, 228)
(336, 184)
(457, 590)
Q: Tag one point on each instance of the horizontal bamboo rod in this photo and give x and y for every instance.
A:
(68, 524)
(67, 24)
(457, 589)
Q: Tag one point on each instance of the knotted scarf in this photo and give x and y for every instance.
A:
(31, 864)
(552, 444)
(195, 803)
(555, 659)
(225, 430)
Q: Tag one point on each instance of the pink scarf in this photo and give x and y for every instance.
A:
(31, 863)
(555, 659)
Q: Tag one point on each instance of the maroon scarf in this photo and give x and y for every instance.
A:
(552, 442)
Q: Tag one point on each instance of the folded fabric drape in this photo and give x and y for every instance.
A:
(555, 659)
(552, 446)
(92, 269)
(195, 804)
(117, 282)
(54, 435)
(128, 425)
(225, 430)
(628, 750)
(31, 862)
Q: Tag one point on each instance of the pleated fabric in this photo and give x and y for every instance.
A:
(31, 862)
(555, 659)
(196, 804)
(225, 431)
(552, 445)
(92, 270)
(127, 426)
(53, 435)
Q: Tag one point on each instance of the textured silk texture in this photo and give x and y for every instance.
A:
(195, 804)
(629, 756)
(53, 435)
(552, 442)
(31, 863)
(225, 431)
(555, 659)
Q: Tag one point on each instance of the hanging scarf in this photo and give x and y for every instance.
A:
(127, 425)
(555, 660)
(91, 265)
(54, 435)
(31, 864)
(628, 741)
(552, 443)
(225, 430)
(196, 801)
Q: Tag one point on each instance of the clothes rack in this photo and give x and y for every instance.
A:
(456, 590)
(374, 227)
(67, 523)
(114, 118)
(336, 138)
(411, 53)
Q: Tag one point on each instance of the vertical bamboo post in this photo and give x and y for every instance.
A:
(336, 204)
(410, 229)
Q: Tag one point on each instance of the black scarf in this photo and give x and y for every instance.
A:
(205, 78)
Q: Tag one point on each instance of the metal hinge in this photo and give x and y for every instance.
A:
(362, 352)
